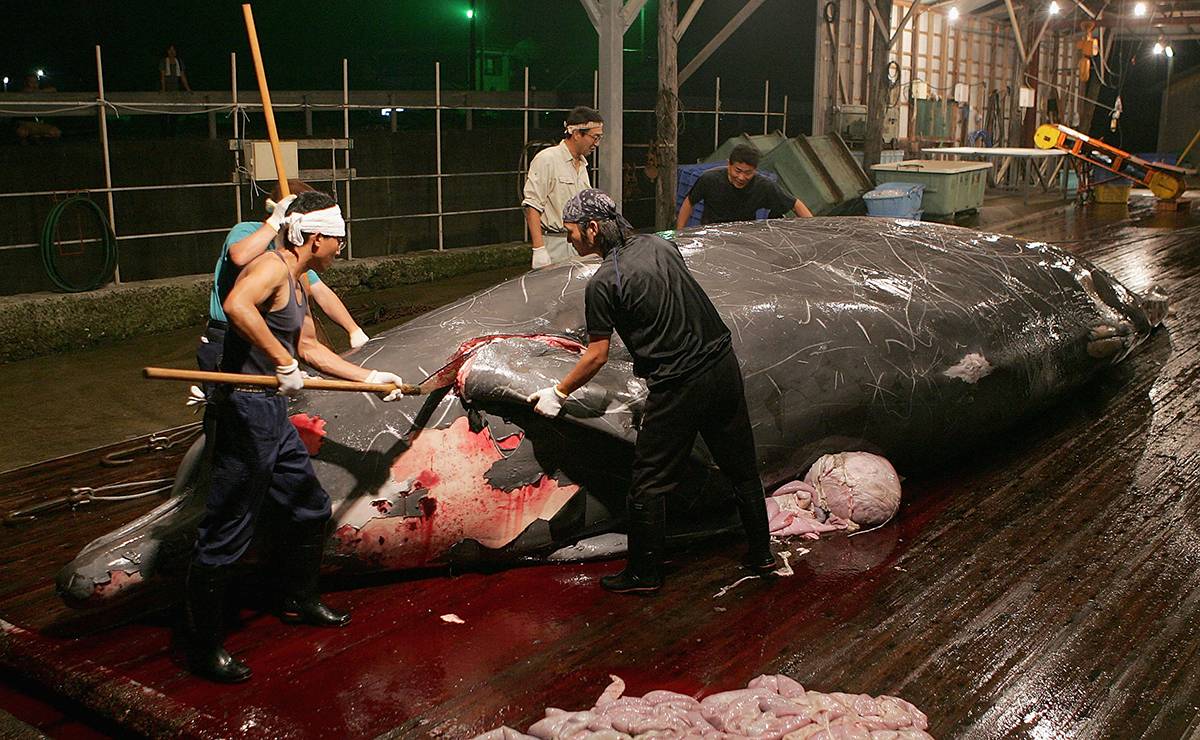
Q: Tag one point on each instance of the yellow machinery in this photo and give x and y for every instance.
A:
(1164, 180)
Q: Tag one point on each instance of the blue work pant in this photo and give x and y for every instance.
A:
(256, 452)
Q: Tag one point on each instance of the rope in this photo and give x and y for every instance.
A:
(43, 111)
(81, 495)
(156, 443)
(48, 244)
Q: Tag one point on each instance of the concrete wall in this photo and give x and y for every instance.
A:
(44, 323)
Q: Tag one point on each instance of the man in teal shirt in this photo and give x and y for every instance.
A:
(243, 243)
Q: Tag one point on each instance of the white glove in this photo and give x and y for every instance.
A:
(379, 376)
(278, 213)
(541, 258)
(291, 380)
(358, 338)
(196, 398)
(548, 401)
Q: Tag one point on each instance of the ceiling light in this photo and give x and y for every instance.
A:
(1168, 51)
(1139, 9)
(1158, 48)
(1053, 7)
(953, 14)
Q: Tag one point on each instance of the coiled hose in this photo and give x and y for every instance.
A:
(108, 241)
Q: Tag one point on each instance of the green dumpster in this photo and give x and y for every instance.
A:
(950, 187)
(762, 142)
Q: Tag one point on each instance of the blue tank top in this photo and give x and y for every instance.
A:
(241, 356)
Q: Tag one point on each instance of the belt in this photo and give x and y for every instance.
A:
(254, 389)
(215, 324)
(251, 389)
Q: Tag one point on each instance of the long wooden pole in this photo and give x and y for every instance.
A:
(270, 381)
(268, 112)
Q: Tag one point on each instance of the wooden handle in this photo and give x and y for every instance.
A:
(268, 112)
(270, 381)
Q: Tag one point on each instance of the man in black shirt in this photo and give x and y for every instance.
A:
(680, 345)
(736, 193)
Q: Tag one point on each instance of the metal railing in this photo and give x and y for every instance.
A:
(237, 104)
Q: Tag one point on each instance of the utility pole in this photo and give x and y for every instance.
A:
(1016, 121)
(666, 113)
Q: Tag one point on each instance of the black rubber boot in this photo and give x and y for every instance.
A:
(207, 657)
(301, 567)
(647, 538)
(752, 506)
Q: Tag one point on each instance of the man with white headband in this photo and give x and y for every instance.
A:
(245, 241)
(256, 451)
(555, 176)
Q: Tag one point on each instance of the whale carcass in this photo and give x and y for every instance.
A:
(904, 339)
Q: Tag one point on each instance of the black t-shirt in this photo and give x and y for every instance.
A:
(724, 203)
(644, 291)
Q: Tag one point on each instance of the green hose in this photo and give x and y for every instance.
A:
(108, 239)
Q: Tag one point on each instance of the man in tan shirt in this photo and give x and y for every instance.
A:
(555, 175)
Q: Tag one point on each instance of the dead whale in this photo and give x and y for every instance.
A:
(908, 340)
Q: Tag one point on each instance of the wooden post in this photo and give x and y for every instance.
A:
(853, 66)
(834, 36)
(877, 92)
(1016, 121)
(913, 48)
(868, 53)
(666, 114)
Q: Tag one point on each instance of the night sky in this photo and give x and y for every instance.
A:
(390, 44)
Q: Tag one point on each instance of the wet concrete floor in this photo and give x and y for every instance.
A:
(65, 403)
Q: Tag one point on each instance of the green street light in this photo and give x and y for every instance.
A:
(470, 13)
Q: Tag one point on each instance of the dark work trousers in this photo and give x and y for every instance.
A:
(208, 358)
(209, 350)
(713, 404)
(256, 453)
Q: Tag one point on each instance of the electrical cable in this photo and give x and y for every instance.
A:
(48, 244)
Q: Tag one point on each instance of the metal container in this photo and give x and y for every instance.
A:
(950, 187)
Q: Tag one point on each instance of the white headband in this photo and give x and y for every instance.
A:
(573, 127)
(327, 221)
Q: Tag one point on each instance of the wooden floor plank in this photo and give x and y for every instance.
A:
(1045, 586)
